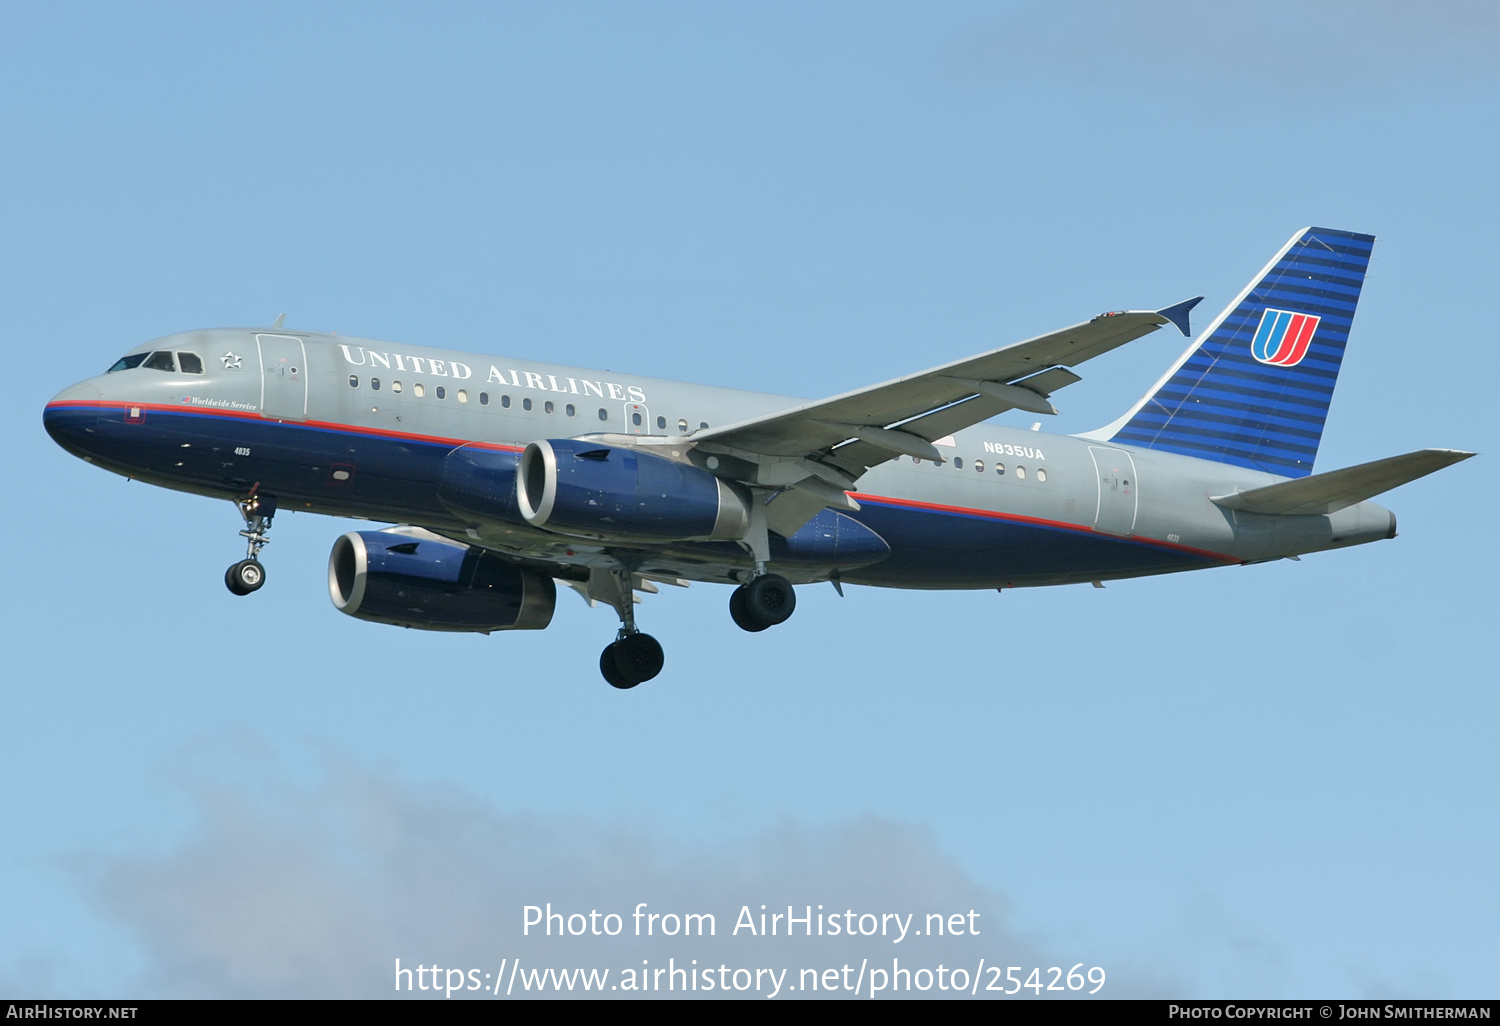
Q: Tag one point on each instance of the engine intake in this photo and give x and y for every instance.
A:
(577, 487)
(418, 581)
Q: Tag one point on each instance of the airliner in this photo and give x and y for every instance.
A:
(504, 476)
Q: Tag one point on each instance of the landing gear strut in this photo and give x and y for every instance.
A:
(248, 575)
(632, 658)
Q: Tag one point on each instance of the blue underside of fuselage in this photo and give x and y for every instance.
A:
(326, 469)
(947, 549)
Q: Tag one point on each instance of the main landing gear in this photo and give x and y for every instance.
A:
(248, 575)
(632, 658)
(764, 602)
(766, 599)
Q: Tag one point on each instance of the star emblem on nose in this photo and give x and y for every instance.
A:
(231, 361)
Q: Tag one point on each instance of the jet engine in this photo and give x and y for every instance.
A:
(418, 580)
(582, 488)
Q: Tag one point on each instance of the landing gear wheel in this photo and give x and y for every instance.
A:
(639, 657)
(611, 670)
(769, 599)
(632, 660)
(245, 576)
(738, 614)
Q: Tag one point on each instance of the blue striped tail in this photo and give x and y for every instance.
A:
(1254, 389)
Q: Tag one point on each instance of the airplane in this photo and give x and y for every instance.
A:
(505, 476)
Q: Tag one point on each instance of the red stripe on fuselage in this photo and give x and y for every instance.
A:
(321, 425)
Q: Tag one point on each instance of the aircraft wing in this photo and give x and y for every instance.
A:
(822, 447)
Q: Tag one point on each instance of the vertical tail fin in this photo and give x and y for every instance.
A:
(1254, 389)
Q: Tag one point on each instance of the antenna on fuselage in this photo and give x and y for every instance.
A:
(279, 318)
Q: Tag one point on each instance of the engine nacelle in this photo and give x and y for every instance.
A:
(586, 489)
(417, 581)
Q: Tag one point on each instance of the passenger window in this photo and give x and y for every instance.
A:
(1041, 475)
(484, 398)
(440, 392)
(463, 395)
(505, 401)
(354, 381)
(419, 390)
(396, 386)
(1000, 469)
(661, 423)
(1021, 473)
(703, 425)
(526, 403)
(161, 361)
(635, 418)
(682, 426)
(571, 410)
(127, 363)
(603, 413)
(979, 466)
(190, 363)
(958, 463)
(548, 406)
(375, 384)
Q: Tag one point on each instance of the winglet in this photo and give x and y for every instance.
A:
(1178, 314)
(280, 319)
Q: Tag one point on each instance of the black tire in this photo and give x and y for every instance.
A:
(245, 576)
(611, 669)
(741, 617)
(639, 657)
(232, 582)
(770, 599)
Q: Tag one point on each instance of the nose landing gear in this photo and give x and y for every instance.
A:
(248, 575)
(245, 576)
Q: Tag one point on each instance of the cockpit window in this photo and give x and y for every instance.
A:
(190, 363)
(161, 360)
(127, 362)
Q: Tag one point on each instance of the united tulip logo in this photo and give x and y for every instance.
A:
(1283, 337)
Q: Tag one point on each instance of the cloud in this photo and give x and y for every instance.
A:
(315, 891)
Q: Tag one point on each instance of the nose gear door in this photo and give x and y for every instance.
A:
(283, 377)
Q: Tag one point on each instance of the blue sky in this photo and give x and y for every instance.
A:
(1267, 781)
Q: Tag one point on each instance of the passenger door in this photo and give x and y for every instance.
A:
(283, 377)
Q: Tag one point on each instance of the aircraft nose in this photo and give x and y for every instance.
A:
(71, 416)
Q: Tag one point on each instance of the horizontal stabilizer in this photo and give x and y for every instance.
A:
(1331, 492)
